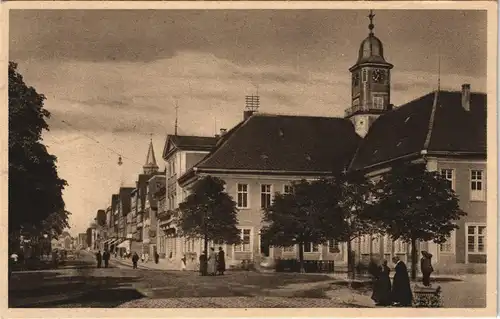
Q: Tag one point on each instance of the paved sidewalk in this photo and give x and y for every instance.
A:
(235, 302)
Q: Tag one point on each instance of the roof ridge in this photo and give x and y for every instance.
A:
(297, 115)
(431, 121)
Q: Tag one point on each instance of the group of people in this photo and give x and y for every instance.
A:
(215, 264)
(102, 257)
(398, 293)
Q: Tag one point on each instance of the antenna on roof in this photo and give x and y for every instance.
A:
(176, 119)
(439, 71)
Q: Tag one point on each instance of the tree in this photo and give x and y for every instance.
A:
(209, 213)
(353, 221)
(35, 189)
(302, 217)
(415, 204)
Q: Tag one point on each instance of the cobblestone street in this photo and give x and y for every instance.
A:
(80, 284)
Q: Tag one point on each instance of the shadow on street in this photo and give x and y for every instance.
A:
(77, 284)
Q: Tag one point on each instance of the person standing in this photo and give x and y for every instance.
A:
(135, 259)
(426, 268)
(203, 264)
(382, 287)
(105, 257)
(221, 261)
(401, 290)
(98, 257)
(212, 262)
(157, 257)
(183, 263)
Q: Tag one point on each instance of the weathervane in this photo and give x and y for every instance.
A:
(371, 25)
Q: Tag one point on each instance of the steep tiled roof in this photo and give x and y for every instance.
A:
(190, 143)
(285, 143)
(404, 131)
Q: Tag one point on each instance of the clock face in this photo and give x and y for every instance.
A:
(378, 76)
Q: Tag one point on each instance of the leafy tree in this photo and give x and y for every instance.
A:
(352, 214)
(415, 204)
(35, 189)
(302, 217)
(209, 213)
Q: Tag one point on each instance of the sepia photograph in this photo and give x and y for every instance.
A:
(250, 158)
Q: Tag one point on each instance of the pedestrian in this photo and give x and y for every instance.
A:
(105, 257)
(183, 263)
(142, 257)
(401, 290)
(157, 257)
(382, 286)
(221, 261)
(203, 264)
(135, 259)
(211, 269)
(98, 257)
(426, 268)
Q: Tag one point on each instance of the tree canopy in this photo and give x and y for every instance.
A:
(416, 204)
(209, 211)
(35, 189)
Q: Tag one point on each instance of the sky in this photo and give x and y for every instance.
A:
(115, 76)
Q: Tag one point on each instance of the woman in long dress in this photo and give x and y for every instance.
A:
(382, 288)
(212, 259)
(401, 290)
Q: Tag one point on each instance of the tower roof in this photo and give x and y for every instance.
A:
(371, 49)
(151, 159)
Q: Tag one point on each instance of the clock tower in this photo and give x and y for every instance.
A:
(371, 83)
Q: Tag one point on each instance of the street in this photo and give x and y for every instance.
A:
(81, 284)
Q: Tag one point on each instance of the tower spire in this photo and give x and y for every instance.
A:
(371, 25)
(151, 166)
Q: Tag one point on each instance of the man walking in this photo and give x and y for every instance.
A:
(221, 262)
(135, 259)
(105, 257)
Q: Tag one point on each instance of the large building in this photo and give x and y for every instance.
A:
(265, 152)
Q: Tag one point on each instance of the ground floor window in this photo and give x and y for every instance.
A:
(449, 245)
(289, 249)
(311, 248)
(333, 246)
(245, 235)
(476, 238)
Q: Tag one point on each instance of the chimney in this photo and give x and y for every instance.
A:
(223, 131)
(466, 96)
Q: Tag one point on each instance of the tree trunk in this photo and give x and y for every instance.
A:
(205, 249)
(350, 261)
(414, 255)
(301, 257)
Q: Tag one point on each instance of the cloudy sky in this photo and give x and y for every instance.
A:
(115, 75)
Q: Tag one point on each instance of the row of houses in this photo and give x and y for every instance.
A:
(264, 153)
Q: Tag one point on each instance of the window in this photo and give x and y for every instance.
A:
(375, 244)
(365, 75)
(476, 185)
(448, 175)
(387, 244)
(287, 189)
(289, 249)
(173, 166)
(311, 248)
(265, 196)
(242, 196)
(378, 102)
(333, 246)
(365, 244)
(245, 241)
(399, 247)
(447, 246)
(476, 239)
